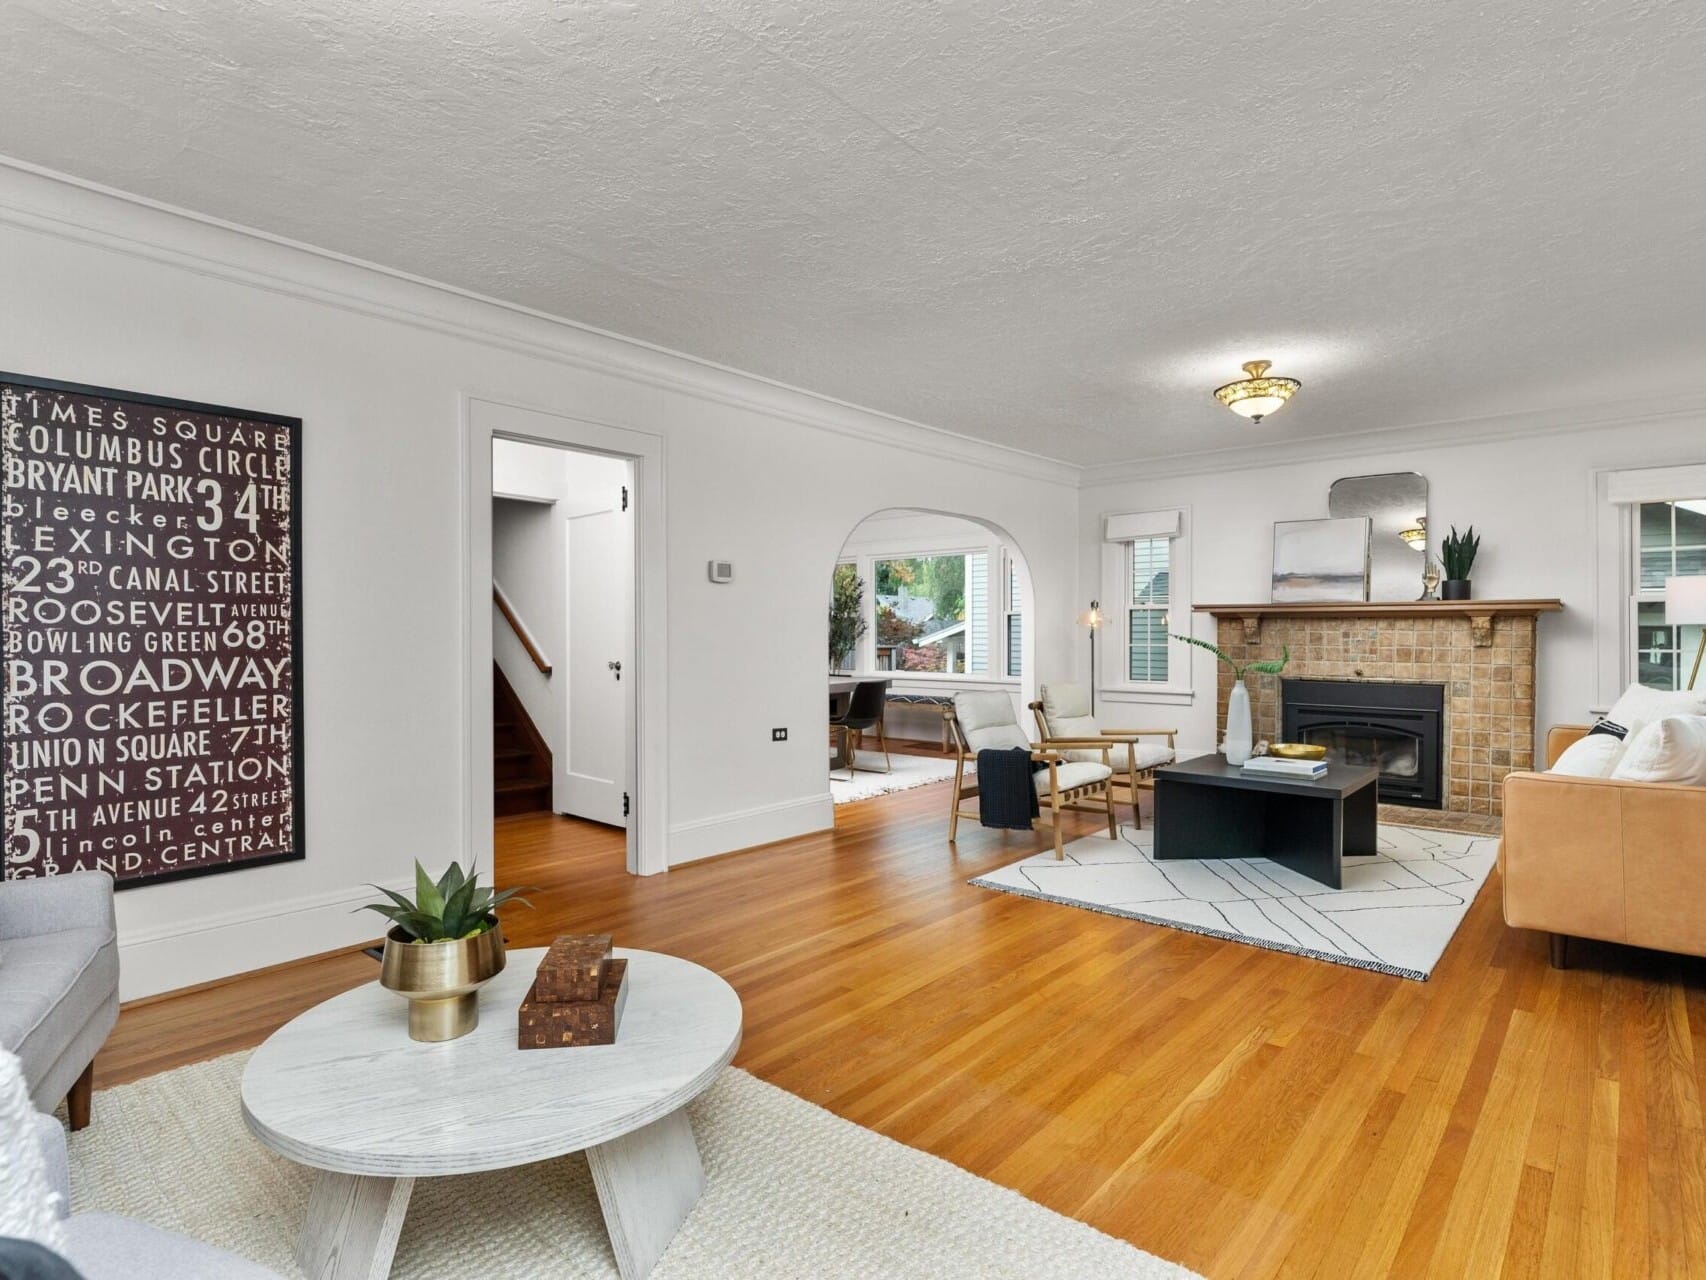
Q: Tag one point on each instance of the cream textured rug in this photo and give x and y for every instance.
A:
(793, 1191)
(1396, 913)
(909, 772)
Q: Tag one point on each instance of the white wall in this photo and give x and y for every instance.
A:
(1530, 497)
(118, 294)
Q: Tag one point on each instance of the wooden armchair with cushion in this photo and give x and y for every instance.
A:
(1603, 858)
(985, 722)
(1063, 714)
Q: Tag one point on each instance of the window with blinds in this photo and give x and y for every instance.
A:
(1147, 603)
(1015, 625)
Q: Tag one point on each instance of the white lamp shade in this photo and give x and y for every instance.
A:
(1685, 601)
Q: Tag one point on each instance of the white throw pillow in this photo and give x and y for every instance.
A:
(1595, 756)
(29, 1206)
(1640, 706)
(1668, 750)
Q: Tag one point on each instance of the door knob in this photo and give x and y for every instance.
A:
(616, 667)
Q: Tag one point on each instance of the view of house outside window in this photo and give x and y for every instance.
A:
(1672, 543)
(933, 614)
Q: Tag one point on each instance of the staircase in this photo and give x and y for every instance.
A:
(521, 762)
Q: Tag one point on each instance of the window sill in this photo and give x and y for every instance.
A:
(930, 677)
(1162, 694)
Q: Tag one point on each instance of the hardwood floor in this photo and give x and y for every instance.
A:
(1244, 1112)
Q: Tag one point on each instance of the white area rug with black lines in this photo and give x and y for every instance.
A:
(791, 1191)
(909, 772)
(1396, 914)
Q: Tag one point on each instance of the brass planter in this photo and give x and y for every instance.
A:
(441, 980)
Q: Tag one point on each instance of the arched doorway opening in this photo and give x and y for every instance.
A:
(923, 603)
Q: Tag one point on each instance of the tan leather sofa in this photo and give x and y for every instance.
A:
(1592, 858)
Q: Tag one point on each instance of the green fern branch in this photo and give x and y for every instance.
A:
(1266, 667)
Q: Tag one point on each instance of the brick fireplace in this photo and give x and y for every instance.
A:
(1481, 654)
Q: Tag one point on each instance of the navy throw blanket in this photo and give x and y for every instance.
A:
(26, 1260)
(1006, 797)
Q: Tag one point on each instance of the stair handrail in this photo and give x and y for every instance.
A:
(501, 599)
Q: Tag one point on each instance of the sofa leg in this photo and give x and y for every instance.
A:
(78, 1100)
(1560, 950)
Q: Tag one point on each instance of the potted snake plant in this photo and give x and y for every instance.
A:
(443, 946)
(1457, 557)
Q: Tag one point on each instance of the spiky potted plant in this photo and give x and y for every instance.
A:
(1240, 740)
(1457, 557)
(443, 946)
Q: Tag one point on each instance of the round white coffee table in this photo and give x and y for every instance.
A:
(343, 1089)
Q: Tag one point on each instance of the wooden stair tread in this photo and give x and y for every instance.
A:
(520, 784)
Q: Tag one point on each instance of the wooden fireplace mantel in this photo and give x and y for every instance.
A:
(1479, 613)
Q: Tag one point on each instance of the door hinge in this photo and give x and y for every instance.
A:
(624, 497)
(625, 805)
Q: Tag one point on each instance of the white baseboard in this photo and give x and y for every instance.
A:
(729, 832)
(183, 955)
(175, 956)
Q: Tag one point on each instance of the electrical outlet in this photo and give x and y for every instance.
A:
(778, 735)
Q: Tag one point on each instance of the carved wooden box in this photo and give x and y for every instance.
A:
(555, 1024)
(573, 969)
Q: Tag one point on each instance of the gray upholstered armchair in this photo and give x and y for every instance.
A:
(104, 1246)
(58, 983)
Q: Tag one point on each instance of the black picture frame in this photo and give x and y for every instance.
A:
(298, 746)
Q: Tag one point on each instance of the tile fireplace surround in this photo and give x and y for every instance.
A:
(1481, 651)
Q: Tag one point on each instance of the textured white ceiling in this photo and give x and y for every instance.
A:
(1051, 225)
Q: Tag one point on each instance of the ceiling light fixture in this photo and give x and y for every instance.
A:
(1416, 536)
(1256, 396)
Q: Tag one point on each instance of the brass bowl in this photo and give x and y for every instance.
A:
(1297, 750)
(441, 980)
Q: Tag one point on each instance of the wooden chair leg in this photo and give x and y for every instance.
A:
(1113, 822)
(954, 798)
(883, 742)
(1054, 812)
(1136, 802)
(81, 1097)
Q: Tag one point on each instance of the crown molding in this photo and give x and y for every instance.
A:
(62, 205)
(1425, 435)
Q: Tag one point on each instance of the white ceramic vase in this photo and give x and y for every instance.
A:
(1238, 739)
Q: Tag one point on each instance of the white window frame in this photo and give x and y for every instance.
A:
(1640, 595)
(1113, 641)
(992, 552)
(1617, 496)
(1012, 606)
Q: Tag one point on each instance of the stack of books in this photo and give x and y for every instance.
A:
(1278, 766)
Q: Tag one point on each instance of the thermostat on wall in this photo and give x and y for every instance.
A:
(722, 570)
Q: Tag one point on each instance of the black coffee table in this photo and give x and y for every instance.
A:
(1205, 808)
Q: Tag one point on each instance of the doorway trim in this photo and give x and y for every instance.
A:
(483, 420)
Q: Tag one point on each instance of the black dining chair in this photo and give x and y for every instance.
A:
(865, 712)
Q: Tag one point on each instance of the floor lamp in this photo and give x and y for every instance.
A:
(1685, 606)
(1091, 621)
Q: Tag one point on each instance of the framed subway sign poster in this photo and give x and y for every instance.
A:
(151, 608)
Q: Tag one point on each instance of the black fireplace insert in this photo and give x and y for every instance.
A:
(1395, 727)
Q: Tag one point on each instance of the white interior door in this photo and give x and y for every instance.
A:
(601, 661)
